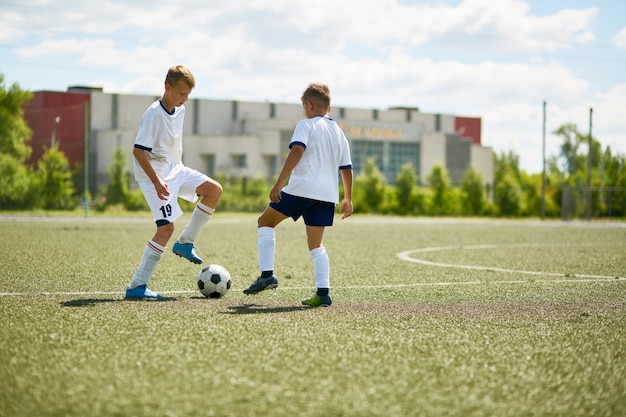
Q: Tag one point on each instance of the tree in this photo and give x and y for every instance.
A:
(507, 195)
(569, 161)
(404, 187)
(473, 199)
(570, 168)
(16, 179)
(370, 189)
(117, 190)
(54, 181)
(17, 191)
(444, 199)
(14, 132)
(615, 177)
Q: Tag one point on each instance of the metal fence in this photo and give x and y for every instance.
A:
(592, 202)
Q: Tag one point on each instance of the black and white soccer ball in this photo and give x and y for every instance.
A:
(214, 281)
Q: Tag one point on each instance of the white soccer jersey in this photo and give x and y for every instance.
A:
(161, 136)
(326, 151)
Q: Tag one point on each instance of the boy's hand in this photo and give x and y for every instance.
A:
(345, 208)
(275, 193)
(161, 189)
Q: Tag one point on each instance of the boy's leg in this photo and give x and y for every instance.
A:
(211, 192)
(138, 286)
(321, 268)
(184, 246)
(151, 256)
(266, 247)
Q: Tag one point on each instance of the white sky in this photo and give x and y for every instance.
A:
(495, 59)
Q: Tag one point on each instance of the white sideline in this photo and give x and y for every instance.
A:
(339, 287)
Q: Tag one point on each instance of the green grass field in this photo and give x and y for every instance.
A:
(431, 317)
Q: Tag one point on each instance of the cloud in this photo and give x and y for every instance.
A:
(508, 25)
(619, 39)
(505, 23)
(11, 26)
(66, 47)
(493, 59)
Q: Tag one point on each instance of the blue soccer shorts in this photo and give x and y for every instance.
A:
(314, 212)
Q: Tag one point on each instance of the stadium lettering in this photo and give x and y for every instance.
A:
(373, 132)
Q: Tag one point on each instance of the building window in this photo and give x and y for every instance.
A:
(398, 155)
(234, 110)
(239, 161)
(209, 164)
(272, 170)
(362, 150)
(388, 156)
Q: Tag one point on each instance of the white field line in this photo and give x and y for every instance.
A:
(337, 287)
(407, 256)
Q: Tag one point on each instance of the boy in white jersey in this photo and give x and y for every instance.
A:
(163, 178)
(319, 149)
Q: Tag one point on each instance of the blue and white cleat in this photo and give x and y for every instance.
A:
(187, 251)
(142, 292)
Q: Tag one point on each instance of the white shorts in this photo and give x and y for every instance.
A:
(183, 185)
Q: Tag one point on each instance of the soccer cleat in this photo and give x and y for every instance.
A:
(262, 284)
(318, 301)
(187, 251)
(142, 292)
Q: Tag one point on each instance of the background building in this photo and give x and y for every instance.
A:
(250, 139)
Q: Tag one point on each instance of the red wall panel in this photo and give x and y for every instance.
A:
(468, 127)
(58, 114)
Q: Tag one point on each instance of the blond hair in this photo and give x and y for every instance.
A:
(179, 73)
(317, 93)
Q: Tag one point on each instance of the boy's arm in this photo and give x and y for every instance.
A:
(346, 203)
(290, 163)
(159, 185)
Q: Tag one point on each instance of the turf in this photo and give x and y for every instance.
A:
(478, 318)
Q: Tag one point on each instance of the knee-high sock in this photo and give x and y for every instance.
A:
(321, 267)
(151, 257)
(266, 246)
(201, 214)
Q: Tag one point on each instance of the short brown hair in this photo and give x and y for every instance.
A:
(317, 93)
(179, 73)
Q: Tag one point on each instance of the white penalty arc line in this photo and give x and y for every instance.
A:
(180, 292)
(406, 256)
(337, 287)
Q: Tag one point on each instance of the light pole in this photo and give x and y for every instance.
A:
(543, 167)
(54, 131)
(589, 156)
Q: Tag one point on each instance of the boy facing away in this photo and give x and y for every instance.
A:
(163, 178)
(319, 149)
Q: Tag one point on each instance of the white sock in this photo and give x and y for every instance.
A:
(149, 260)
(201, 214)
(321, 267)
(266, 245)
